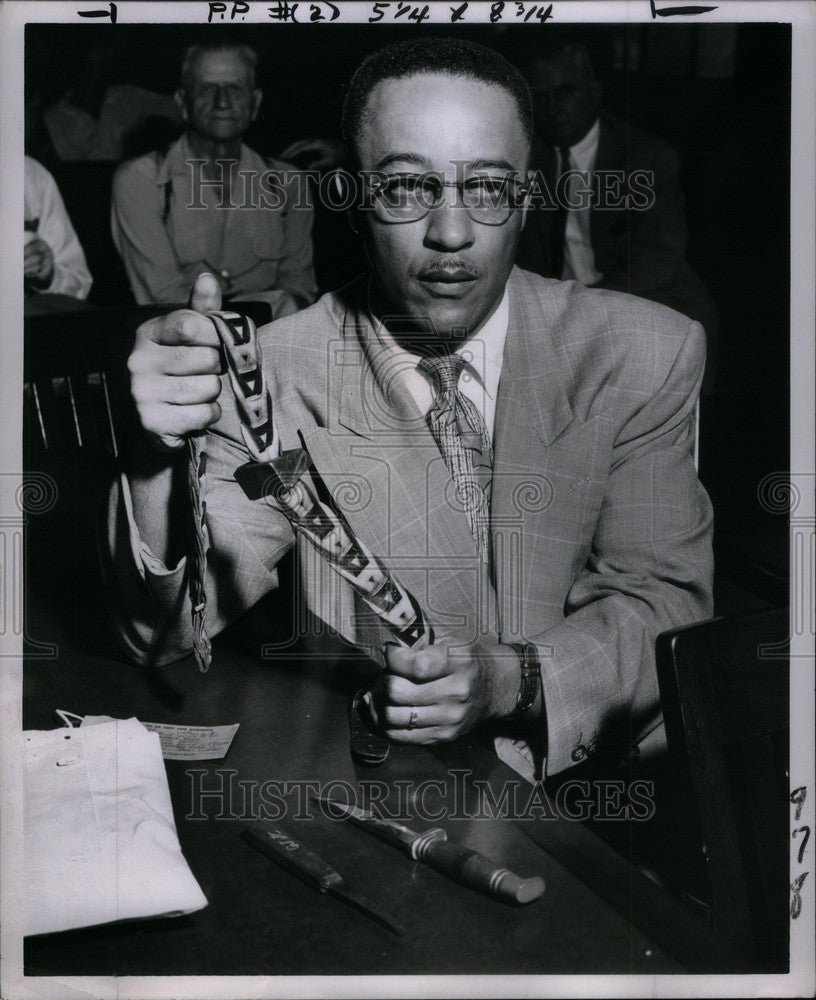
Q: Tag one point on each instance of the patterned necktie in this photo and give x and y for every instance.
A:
(460, 432)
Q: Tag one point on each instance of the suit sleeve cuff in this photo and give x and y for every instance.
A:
(149, 566)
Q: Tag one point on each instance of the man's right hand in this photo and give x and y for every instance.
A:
(38, 263)
(174, 369)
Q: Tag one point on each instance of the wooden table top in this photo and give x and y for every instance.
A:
(597, 914)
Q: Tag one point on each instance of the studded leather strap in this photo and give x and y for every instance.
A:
(239, 341)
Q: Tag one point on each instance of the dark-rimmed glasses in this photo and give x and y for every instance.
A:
(409, 197)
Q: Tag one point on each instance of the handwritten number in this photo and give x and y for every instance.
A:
(539, 13)
(318, 15)
(419, 14)
(797, 799)
(796, 902)
(805, 839)
(496, 11)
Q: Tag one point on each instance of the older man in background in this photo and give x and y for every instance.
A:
(199, 206)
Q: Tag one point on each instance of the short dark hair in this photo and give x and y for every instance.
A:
(453, 56)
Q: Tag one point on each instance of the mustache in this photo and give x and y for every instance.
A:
(449, 269)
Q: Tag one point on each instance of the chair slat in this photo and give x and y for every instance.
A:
(109, 414)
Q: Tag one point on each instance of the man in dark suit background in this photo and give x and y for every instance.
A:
(603, 241)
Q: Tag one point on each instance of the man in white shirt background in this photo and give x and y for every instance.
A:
(191, 207)
(54, 264)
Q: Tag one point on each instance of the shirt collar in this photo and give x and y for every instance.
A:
(175, 162)
(396, 368)
(588, 143)
(486, 348)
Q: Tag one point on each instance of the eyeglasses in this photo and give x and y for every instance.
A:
(490, 201)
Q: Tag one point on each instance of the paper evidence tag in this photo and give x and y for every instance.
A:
(184, 742)
(193, 742)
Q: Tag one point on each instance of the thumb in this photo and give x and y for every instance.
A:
(206, 293)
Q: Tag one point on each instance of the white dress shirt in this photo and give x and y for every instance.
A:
(44, 204)
(396, 368)
(579, 259)
(479, 381)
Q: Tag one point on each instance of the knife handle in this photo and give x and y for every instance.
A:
(473, 869)
(279, 846)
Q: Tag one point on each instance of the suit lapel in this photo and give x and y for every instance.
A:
(385, 472)
(532, 409)
(532, 372)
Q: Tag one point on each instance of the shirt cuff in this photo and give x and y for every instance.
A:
(147, 563)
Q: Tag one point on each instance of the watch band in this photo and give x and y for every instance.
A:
(530, 677)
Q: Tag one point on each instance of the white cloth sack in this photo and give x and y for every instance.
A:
(100, 840)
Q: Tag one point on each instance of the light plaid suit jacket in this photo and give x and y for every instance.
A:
(601, 532)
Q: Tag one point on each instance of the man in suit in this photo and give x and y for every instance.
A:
(578, 530)
(195, 206)
(624, 226)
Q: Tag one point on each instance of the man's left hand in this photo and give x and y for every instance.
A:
(38, 263)
(435, 694)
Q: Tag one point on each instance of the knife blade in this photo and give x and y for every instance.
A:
(461, 864)
(289, 853)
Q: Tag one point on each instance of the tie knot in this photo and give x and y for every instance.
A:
(443, 371)
(564, 152)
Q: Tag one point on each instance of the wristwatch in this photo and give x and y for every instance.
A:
(530, 677)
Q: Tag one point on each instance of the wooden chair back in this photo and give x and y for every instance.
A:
(77, 420)
(77, 388)
(724, 685)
